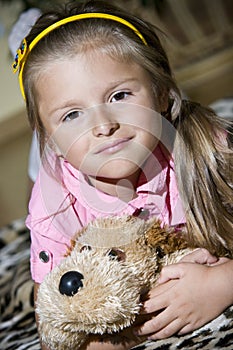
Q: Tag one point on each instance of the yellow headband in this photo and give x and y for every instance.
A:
(24, 49)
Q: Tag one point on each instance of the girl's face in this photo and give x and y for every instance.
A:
(100, 113)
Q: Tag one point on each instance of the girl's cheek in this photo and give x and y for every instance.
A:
(64, 140)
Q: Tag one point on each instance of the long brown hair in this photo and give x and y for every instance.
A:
(203, 159)
(202, 152)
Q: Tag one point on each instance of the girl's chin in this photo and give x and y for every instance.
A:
(116, 174)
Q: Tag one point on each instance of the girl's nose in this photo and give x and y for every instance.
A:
(105, 123)
(105, 129)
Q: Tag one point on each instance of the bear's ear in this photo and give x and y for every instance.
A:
(164, 238)
(70, 248)
(73, 242)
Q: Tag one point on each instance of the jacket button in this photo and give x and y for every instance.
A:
(142, 213)
(44, 256)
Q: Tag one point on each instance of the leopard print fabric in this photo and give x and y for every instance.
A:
(17, 325)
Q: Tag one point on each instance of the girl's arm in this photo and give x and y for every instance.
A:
(190, 295)
(106, 345)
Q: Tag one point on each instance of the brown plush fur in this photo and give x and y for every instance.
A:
(120, 259)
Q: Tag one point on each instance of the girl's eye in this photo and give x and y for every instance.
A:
(121, 95)
(71, 116)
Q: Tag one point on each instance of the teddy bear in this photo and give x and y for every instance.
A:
(97, 288)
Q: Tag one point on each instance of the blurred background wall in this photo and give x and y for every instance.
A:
(199, 41)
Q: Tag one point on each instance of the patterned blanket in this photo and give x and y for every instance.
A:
(17, 322)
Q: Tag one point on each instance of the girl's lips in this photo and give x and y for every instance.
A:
(113, 146)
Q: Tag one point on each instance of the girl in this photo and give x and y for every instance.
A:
(115, 138)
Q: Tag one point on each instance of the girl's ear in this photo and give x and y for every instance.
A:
(164, 102)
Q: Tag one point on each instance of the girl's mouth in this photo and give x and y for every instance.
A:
(113, 146)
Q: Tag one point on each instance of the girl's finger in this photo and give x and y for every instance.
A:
(156, 302)
(186, 329)
(171, 272)
(200, 256)
(167, 331)
(155, 324)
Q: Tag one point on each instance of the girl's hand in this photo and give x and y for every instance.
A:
(200, 256)
(188, 295)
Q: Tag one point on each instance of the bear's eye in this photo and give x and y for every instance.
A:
(117, 254)
(160, 252)
(85, 247)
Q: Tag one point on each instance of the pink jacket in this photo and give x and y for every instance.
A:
(64, 202)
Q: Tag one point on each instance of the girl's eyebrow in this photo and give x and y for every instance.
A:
(115, 84)
(67, 104)
(122, 81)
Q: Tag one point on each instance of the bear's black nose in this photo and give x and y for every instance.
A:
(70, 283)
